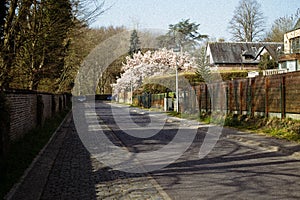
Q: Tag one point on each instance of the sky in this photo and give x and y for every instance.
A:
(212, 15)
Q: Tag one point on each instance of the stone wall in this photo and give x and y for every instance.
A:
(31, 109)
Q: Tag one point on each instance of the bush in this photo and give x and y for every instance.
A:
(232, 120)
(227, 76)
(193, 78)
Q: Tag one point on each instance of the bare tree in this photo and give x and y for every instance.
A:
(88, 11)
(80, 47)
(281, 26)
(248, 23)
(14, 13)
(35, 37)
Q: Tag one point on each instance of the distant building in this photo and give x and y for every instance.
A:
(240, 55)
(291, 58)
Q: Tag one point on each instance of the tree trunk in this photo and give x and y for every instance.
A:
(34, 83)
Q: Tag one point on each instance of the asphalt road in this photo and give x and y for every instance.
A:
(240, 166)
(110, 151)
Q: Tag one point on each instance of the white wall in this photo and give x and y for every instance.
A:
(291, 65)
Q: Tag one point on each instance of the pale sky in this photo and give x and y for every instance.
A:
(212, 15)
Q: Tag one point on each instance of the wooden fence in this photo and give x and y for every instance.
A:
(276, 95)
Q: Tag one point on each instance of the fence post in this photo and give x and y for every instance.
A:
(193, 100)
(252, 97)
(153, 98)
(150, 100)
(267, 86)
(212, 97)
(241, 97)
(183, 104)
(206, 98)
(230, 92)
(227, 99)
(199, 94)
(283, 97)
(249, 97)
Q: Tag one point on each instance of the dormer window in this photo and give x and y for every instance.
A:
(247, 55)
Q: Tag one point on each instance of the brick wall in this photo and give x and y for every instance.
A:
(30, 109)
(23, 113)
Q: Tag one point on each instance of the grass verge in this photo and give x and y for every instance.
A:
(288, 129)
(23, 151)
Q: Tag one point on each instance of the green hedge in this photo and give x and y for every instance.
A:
(192, 78)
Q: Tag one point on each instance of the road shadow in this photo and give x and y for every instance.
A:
(230, 170)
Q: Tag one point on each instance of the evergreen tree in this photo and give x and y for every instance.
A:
(134, 43)
(267, 63)
(203, 71)
(184, 34)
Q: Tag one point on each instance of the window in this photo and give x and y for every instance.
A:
(295, 45)
(283, 65)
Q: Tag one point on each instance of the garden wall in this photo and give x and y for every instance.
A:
(28, 110)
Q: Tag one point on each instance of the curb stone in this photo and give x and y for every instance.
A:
(253, 143)
(266, 142)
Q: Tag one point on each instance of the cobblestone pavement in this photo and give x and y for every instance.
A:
(77, 175)
(241, 166)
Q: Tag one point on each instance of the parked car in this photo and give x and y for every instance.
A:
(109, 98)
(81, 98)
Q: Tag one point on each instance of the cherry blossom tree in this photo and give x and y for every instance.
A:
(140, 67)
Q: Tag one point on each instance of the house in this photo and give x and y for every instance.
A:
(291, 58)
(240, 55)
